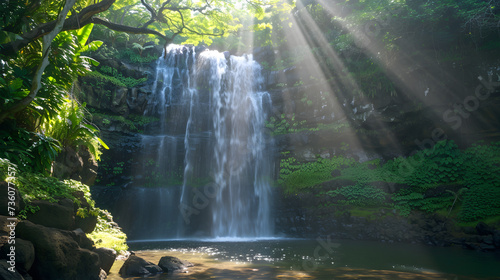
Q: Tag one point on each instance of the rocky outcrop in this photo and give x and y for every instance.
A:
(60, 254)
(50, 245)
(56, 215)
(136, 266)
(77, 164)
(24, 254)
(300, 216)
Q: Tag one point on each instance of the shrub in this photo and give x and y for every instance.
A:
(360, 195)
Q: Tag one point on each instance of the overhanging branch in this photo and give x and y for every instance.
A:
(129, 29)
(75, 21)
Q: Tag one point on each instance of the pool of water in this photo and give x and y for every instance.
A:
(315, 259)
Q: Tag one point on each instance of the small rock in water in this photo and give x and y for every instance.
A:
(136, 266)
(173, 264)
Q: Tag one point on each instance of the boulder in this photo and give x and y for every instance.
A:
(88, 173)
(25, 253)
(57, 255)
(53, 215)
(136, 266)
(77, 164)
(107, 258)
(173, 264)
(6, 274)
(86, 224)
(82, 240)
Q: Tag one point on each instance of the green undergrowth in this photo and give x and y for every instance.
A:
(111, 75)
(359, 195)
(464, 184)
(134, 123)
(40, 187)
(370, 213)
(290, 124)
(495, 220)
(133, 57)
(296, 176)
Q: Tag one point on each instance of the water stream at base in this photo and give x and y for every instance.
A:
(208, 147)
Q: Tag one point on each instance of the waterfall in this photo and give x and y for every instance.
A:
(209, 144)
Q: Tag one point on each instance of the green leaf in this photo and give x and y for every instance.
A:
(84, 33)
(103, 144)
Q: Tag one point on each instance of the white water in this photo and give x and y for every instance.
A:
(212, 118)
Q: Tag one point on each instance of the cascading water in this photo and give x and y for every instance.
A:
(209, 147)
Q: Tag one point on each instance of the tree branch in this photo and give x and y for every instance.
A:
(75, 21)
(128, 29)
(151, 11)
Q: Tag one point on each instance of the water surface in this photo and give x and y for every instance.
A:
(316, 259)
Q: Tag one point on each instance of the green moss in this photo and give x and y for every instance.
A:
(296, 176)
(107, 234)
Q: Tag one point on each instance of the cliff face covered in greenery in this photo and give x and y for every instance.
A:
(384, 113)
(387, 110)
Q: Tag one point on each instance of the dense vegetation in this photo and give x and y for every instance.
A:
(442, 178)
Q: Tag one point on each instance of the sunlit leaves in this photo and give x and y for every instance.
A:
(70, 128)
(29, 151)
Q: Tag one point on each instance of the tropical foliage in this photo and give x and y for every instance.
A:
(437, 178)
